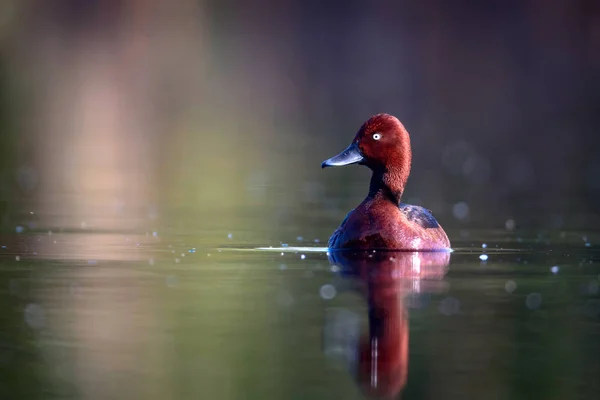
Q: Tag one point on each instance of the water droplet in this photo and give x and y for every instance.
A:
(334, 269)
(155, 234)
(484, 246)
(19, 229)
(510, 224)
(282, 267)
(510, 286)
(533, 301)
(476, 169)
(327, 292)
(229, 235)
(555, 269)
(449, 306)
(35, 317)
(483, 257)
(302, 256)
(177, 260)
(18, 258)
(460, 210)
(299, 238)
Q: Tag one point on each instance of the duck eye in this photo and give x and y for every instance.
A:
(377, 136)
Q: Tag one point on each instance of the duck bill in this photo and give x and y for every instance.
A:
(349, 156)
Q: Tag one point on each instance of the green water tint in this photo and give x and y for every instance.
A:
(230, 322)
(324, 250)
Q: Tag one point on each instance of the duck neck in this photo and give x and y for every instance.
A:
(388, 184)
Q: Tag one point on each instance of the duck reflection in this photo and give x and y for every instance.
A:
(379, 359)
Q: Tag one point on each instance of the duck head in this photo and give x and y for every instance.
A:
(381, 143)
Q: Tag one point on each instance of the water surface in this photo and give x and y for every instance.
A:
(177, 320)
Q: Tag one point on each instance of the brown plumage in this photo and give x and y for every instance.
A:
(381, 221)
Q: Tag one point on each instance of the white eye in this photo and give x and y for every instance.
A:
(377, 136)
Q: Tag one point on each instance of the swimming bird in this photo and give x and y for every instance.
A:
(382, 221)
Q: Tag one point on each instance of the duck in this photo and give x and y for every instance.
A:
(381, 220)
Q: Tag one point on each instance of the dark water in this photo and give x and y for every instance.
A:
(231, 322)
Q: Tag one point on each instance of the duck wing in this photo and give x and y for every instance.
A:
(419, 215)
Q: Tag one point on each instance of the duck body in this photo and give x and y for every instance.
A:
(383, 225)
(382, 221)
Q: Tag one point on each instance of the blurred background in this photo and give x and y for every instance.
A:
(119, 112)
(138, 121)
